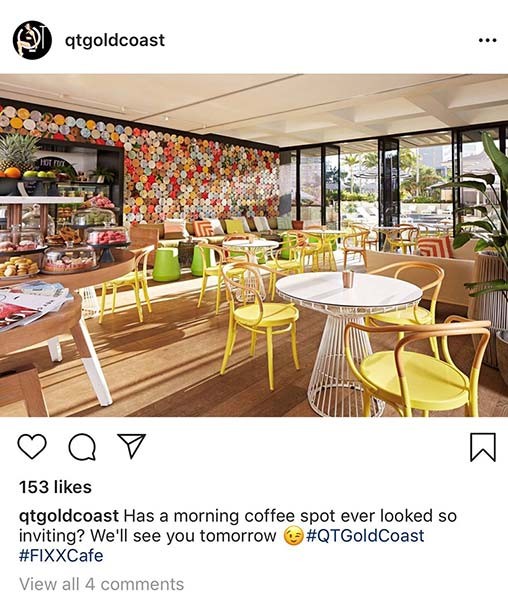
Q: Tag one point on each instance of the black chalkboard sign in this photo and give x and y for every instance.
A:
(55, 163)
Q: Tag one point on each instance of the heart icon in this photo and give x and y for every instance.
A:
(32, 445)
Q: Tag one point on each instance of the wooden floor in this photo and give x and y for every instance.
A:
(168, 366)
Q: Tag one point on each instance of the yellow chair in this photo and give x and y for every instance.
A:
(415, 315)
(410, 380)
(355, 243)
(372, 239)
(312, 246)
(136, 279)
(293, 264)
(214, 270)
(328, 243)
(403, 238)
(247, 310)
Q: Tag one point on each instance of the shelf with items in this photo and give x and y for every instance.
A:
(83, 189)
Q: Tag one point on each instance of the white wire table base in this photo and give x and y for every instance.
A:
(333, 390)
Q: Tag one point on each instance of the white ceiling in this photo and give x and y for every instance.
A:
(283, 110)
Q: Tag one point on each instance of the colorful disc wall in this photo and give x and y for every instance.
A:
(167, 175)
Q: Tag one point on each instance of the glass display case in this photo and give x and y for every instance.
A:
(23, 241)
(6, 243)
(85, 190)
(68, 259)
(87, 217)
(32, 219)
(29, 239)
(107, 236)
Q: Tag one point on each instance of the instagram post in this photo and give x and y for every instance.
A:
(253, 301)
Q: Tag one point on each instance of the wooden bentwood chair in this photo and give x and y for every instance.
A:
(355, 243)
(288, 260)
(212, 268)
(247, 310)
(403, 238)
(415, 315)
(410, 380)
(137, 279)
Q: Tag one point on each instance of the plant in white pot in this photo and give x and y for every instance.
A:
(490, 290)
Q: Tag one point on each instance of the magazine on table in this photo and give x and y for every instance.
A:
(25, 302)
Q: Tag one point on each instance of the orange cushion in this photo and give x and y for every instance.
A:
(175, 229)
(439, 247)
(203, 228)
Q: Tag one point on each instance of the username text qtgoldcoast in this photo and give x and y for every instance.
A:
(114, 40)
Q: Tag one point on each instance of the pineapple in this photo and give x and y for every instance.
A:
(17, 150)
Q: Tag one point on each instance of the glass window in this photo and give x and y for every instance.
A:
(332, 170)
(425, 163)
(310, 185)
(473, 159)
(359, 183)
(287, 184)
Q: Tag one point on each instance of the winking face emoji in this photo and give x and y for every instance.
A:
(293, 535)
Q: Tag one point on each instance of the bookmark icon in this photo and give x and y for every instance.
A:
(482, 443)
(133, 441)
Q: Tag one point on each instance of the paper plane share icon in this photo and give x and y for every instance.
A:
(133, 441)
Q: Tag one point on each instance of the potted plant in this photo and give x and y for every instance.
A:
(489, 292)
(104, 175)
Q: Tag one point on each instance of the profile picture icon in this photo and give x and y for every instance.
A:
(32, 40)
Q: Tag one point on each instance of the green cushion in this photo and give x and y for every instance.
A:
(234, 226)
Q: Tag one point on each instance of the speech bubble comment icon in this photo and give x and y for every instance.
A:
(82, 447)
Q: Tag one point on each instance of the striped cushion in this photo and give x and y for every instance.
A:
(434, 246)
(203, 228)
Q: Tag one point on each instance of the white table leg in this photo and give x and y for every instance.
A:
(333, 390)
(55, 350)
(91, 363)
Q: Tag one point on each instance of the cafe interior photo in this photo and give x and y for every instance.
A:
(260, 245)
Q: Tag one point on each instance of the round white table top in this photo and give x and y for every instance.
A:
(370, 294)
(259, 244)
